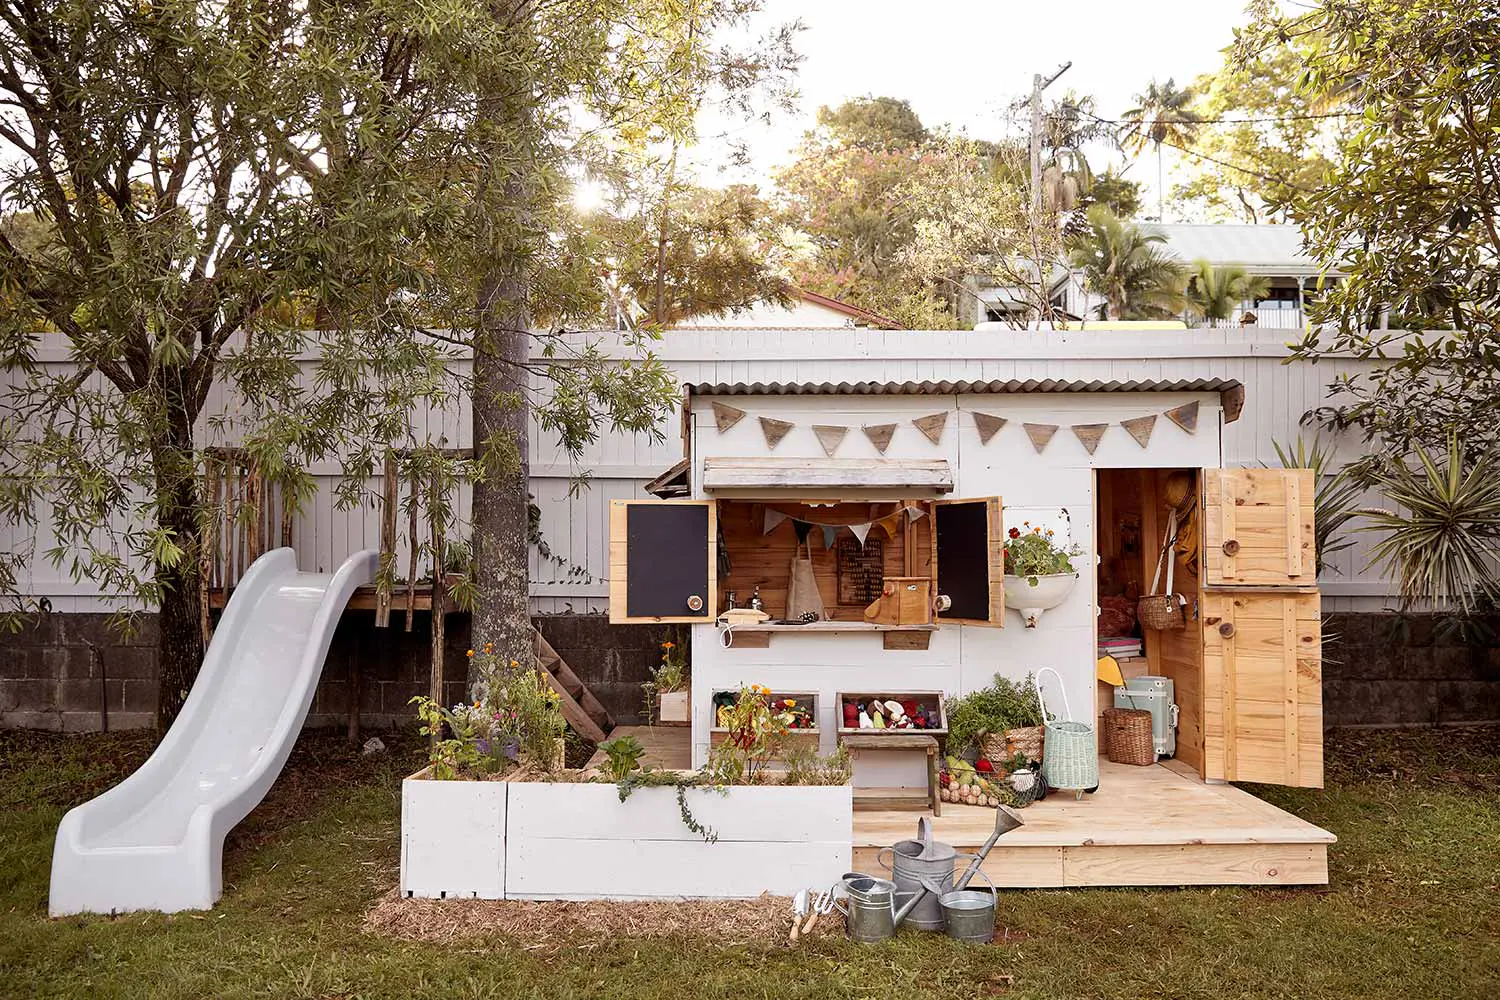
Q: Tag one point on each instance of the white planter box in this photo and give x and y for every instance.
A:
(672, 708)
(452, 838)
(581, 842)
(539, 840)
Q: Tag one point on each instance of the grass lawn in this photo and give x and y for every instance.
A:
(1412, 911)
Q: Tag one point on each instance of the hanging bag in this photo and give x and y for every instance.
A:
(1163, 611)
(802, 597)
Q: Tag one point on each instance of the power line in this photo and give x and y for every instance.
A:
(1220, 121)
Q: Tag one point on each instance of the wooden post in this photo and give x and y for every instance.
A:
(411, 566)
(439, 611)
(252, 527)
(385, 578)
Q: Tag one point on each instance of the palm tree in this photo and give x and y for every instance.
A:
(1162, 116)
(1130, 266)
(1216, 292)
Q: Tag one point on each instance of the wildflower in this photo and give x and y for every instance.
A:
(489, 647)
(791, 703)
(515, 663)
(470, 653)
(1036, 531)
(669, 645)
(1050, 532)
(1015, 532)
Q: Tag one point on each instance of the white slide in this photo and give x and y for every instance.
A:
(156, 840)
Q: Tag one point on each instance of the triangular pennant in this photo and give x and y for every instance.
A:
(774, 430)
(888, 524)
(1185, 416)
(830, 437)
(880, 435)
(726, 416)
(915, 513)
(1040, 434)
(988, 425)
(773, 518)
(830, 531)
(860, 532)
(932, 426)
(803, 529)
(1140, 428)
(1089, 434)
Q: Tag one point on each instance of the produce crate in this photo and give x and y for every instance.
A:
(928, 699)
(811, 737)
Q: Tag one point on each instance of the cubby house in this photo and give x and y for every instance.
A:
(915, 485)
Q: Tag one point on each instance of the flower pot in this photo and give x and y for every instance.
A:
(1031, 595)
(673, 709)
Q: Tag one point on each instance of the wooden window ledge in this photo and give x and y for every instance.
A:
(894, 636)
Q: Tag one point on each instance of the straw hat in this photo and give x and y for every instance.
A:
(1177, 491)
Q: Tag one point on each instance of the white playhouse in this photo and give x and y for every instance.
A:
(893, 490)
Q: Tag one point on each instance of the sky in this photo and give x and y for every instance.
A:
(963, 62)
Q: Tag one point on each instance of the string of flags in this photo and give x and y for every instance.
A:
(861, 531)
(831, 436)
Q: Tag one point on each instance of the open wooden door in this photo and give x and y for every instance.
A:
(663, 561)
(968, 555)
(1261, 618)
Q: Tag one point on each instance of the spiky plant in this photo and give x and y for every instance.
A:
(1336, 502)
(1130, 266)
(1216, 292)
(1441, 540)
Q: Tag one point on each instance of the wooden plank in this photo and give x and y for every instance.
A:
(787, 814)
(592, 707)
(573, 712)
(453, 838)
(667, 748)
(1258, 527)
(907, 475)
(1197, 864)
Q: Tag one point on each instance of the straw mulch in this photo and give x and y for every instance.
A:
(551, 926)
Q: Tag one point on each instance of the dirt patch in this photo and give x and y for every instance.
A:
(554, 926)
(1465, 758)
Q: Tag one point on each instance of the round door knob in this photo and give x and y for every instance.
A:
(1227, 630)
(1231, 547)
(695, 603)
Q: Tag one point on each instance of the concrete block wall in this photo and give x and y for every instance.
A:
(1383, 669)
(70, 672)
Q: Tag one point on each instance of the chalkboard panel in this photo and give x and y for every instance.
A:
(963, 559)
(666, 550)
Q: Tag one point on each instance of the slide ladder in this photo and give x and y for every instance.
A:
(156, 840)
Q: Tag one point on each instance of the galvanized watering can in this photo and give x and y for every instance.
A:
(922, 870)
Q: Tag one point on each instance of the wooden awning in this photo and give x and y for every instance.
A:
(894, 476)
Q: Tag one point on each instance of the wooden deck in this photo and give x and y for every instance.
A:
(668, 748)
(1157, 825)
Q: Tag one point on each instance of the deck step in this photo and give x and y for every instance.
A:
(584, 712)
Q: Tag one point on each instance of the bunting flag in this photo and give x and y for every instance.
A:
(915, 513)
(1185, 416)
(1040, 435)
(880, 435)
(861, 531)
(773, 518)
(988, 425)
(1140, 428)
(830, 532)
(726, 416)
(774, 430)
(830, 437)
(803, 529)
(932, 426)
(1089, 434)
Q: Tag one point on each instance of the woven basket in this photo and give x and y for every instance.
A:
(1160, 611)
(1072, 759)
(1127, 736)
(999, 748)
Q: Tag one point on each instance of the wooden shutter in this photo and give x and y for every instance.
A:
(1258, 528)
(968, 560)
(1263, 687)
(662, 560)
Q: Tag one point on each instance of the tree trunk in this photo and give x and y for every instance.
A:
(502, 341)
(180, 643)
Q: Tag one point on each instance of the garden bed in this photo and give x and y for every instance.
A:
(578, 841)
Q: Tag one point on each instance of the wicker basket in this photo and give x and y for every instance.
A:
(1162, 612)
(999, 748)
(1127, 736)
(1072, 759)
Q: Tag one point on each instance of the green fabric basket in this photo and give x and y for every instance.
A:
(1071, 758)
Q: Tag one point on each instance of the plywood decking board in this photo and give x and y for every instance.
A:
(668, 748)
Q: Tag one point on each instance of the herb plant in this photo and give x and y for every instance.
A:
(1004, 704)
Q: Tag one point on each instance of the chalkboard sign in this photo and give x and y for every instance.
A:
(666, 555)
(963, 557)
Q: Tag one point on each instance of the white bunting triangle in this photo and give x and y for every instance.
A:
(830, 437)
(861, 532)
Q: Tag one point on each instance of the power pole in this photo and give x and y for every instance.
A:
(1038, 84)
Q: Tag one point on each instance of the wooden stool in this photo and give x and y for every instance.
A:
(897, 742)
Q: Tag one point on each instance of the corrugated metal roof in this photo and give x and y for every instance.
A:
(1230, 390)
(1261, 248)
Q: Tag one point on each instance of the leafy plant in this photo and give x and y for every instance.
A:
(755, 735)
(624, 755)
(648, 778)
(1129, 266)
(671, 674)
(1442, 540)
(805, 767)
(1004, 704)
(1334, 504)
(1216, 292)
(1035, 553)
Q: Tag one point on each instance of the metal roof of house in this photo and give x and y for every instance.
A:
(1260, 249)
(1231, 391)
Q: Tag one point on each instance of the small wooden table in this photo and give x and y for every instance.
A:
(892, 799)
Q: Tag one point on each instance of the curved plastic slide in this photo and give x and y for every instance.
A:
(156, 840)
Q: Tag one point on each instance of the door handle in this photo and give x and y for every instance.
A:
(695, 603)
(1226, 629)
(1231, 547)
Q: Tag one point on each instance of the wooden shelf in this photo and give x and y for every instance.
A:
(896, 636)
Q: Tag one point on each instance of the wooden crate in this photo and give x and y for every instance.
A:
(929, 698)
(811, 737)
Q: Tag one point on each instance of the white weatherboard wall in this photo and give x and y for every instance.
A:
(453, 838)
(575, 523)
(1032, 487)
